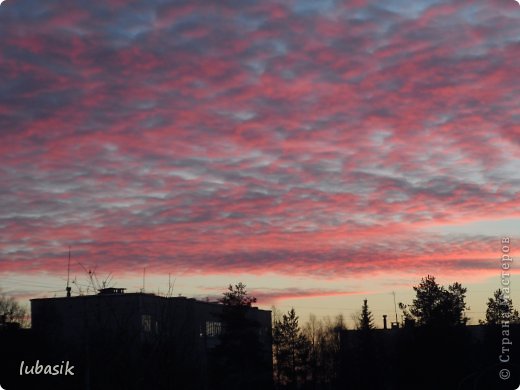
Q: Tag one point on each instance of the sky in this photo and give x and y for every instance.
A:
(321, 152)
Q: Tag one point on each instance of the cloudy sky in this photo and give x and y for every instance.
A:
(319, 151)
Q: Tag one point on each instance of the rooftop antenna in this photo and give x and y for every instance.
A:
(395, 307)
(144, 278)
(170, 284)
(68, 277)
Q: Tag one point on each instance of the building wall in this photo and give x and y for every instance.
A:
(147, 336)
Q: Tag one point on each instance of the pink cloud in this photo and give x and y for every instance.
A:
(260, 138)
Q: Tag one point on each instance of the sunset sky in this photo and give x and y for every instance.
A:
(320, 152)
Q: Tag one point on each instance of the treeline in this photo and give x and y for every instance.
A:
(432, 348)
(308, 355)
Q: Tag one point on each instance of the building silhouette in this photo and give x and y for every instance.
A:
(462, 357)
(139, 340)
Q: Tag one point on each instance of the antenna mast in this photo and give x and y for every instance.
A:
(395, 307)
(144, 276)
(68, 277)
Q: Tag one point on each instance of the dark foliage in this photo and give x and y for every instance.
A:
(437, 306)
(239, 361)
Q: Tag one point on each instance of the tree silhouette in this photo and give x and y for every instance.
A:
(500, 309)
(324, 338)
(365, 319)
(364, 345)
(237, 297)
(435, 305)
(11, 312)
(239, 361)
(291, 350)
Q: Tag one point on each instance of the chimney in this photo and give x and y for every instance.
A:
(384, 322)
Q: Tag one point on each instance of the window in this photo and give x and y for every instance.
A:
(213, 328)
(146, 322)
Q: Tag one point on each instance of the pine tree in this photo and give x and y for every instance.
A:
(500, 308)
(365, 321)
(238, 361)
(435, 305)
(237, 296)
(291, 350)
